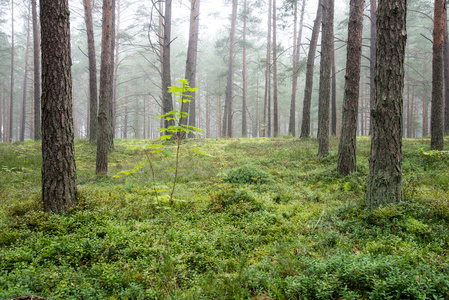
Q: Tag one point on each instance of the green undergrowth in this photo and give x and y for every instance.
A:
(257, 219)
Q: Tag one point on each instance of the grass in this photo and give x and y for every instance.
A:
(258, 219)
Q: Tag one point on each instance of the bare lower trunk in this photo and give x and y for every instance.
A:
(385, 172)
(58, 152)
(327, 40)
(275, 77)
(347, 160)
(436, 121)
(305, 125)
(104, 116)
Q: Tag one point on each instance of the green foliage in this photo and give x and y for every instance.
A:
(247, 174)
(175, 132)
(302, 233)
(234, 200)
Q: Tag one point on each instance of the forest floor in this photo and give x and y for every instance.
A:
(256, 218)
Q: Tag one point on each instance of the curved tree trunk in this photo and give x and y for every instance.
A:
(347, 160)
(305, 125)
(58, 151)
(385, 172)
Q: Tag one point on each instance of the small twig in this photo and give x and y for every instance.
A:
(28, 297)
(319, 220)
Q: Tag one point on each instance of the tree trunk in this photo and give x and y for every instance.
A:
(327, 39)
(275, 77)
(385, 173)
(11, 95)
(230, 77)
(305, 125)
(244, 73)
(58, 151)
(191, 63)
(93, 93)
(334, 95)
(436, 119)
(292, 120)
(372, 56)
(114, 77)
(362, 110)
(104, 121)
(37, 75)
(266, 107)
(425, 101)
(347, 160)
(446, 72)
(167, 102)
(25, 85)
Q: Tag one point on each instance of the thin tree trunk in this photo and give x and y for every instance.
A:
(191, 63)
(362, 110)
(11, 95)
(37, 75)
(230, 77)
(327, 40)
(305, 125)
(244, 73)
(372, 56)
(425, 101)
(437, 114)
(166, 77)
(25, 85)
(114, 66)
(296, 45)
(446, 72)
(93, 93)
(347, 159)
(266, 107)
(105, 96)
(58, 150)
(275, 77)
(334, 95)
(385, 172)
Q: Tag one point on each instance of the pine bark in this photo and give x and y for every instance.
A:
(275, 77)
(425, 101)
(230, 77)
(25, 85)
(446, 72)
(305, 125)
(11, 94)
(292, 120)
(327, 40)
(437, 114)
(347, 159)
(334, 94)
(93, 93)
(267, 95)
(167, 100)
(104, 121)
(244, 73)
(385, 173)
(58, 152)
(191, 64)
(37, 74)
(372, 56)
